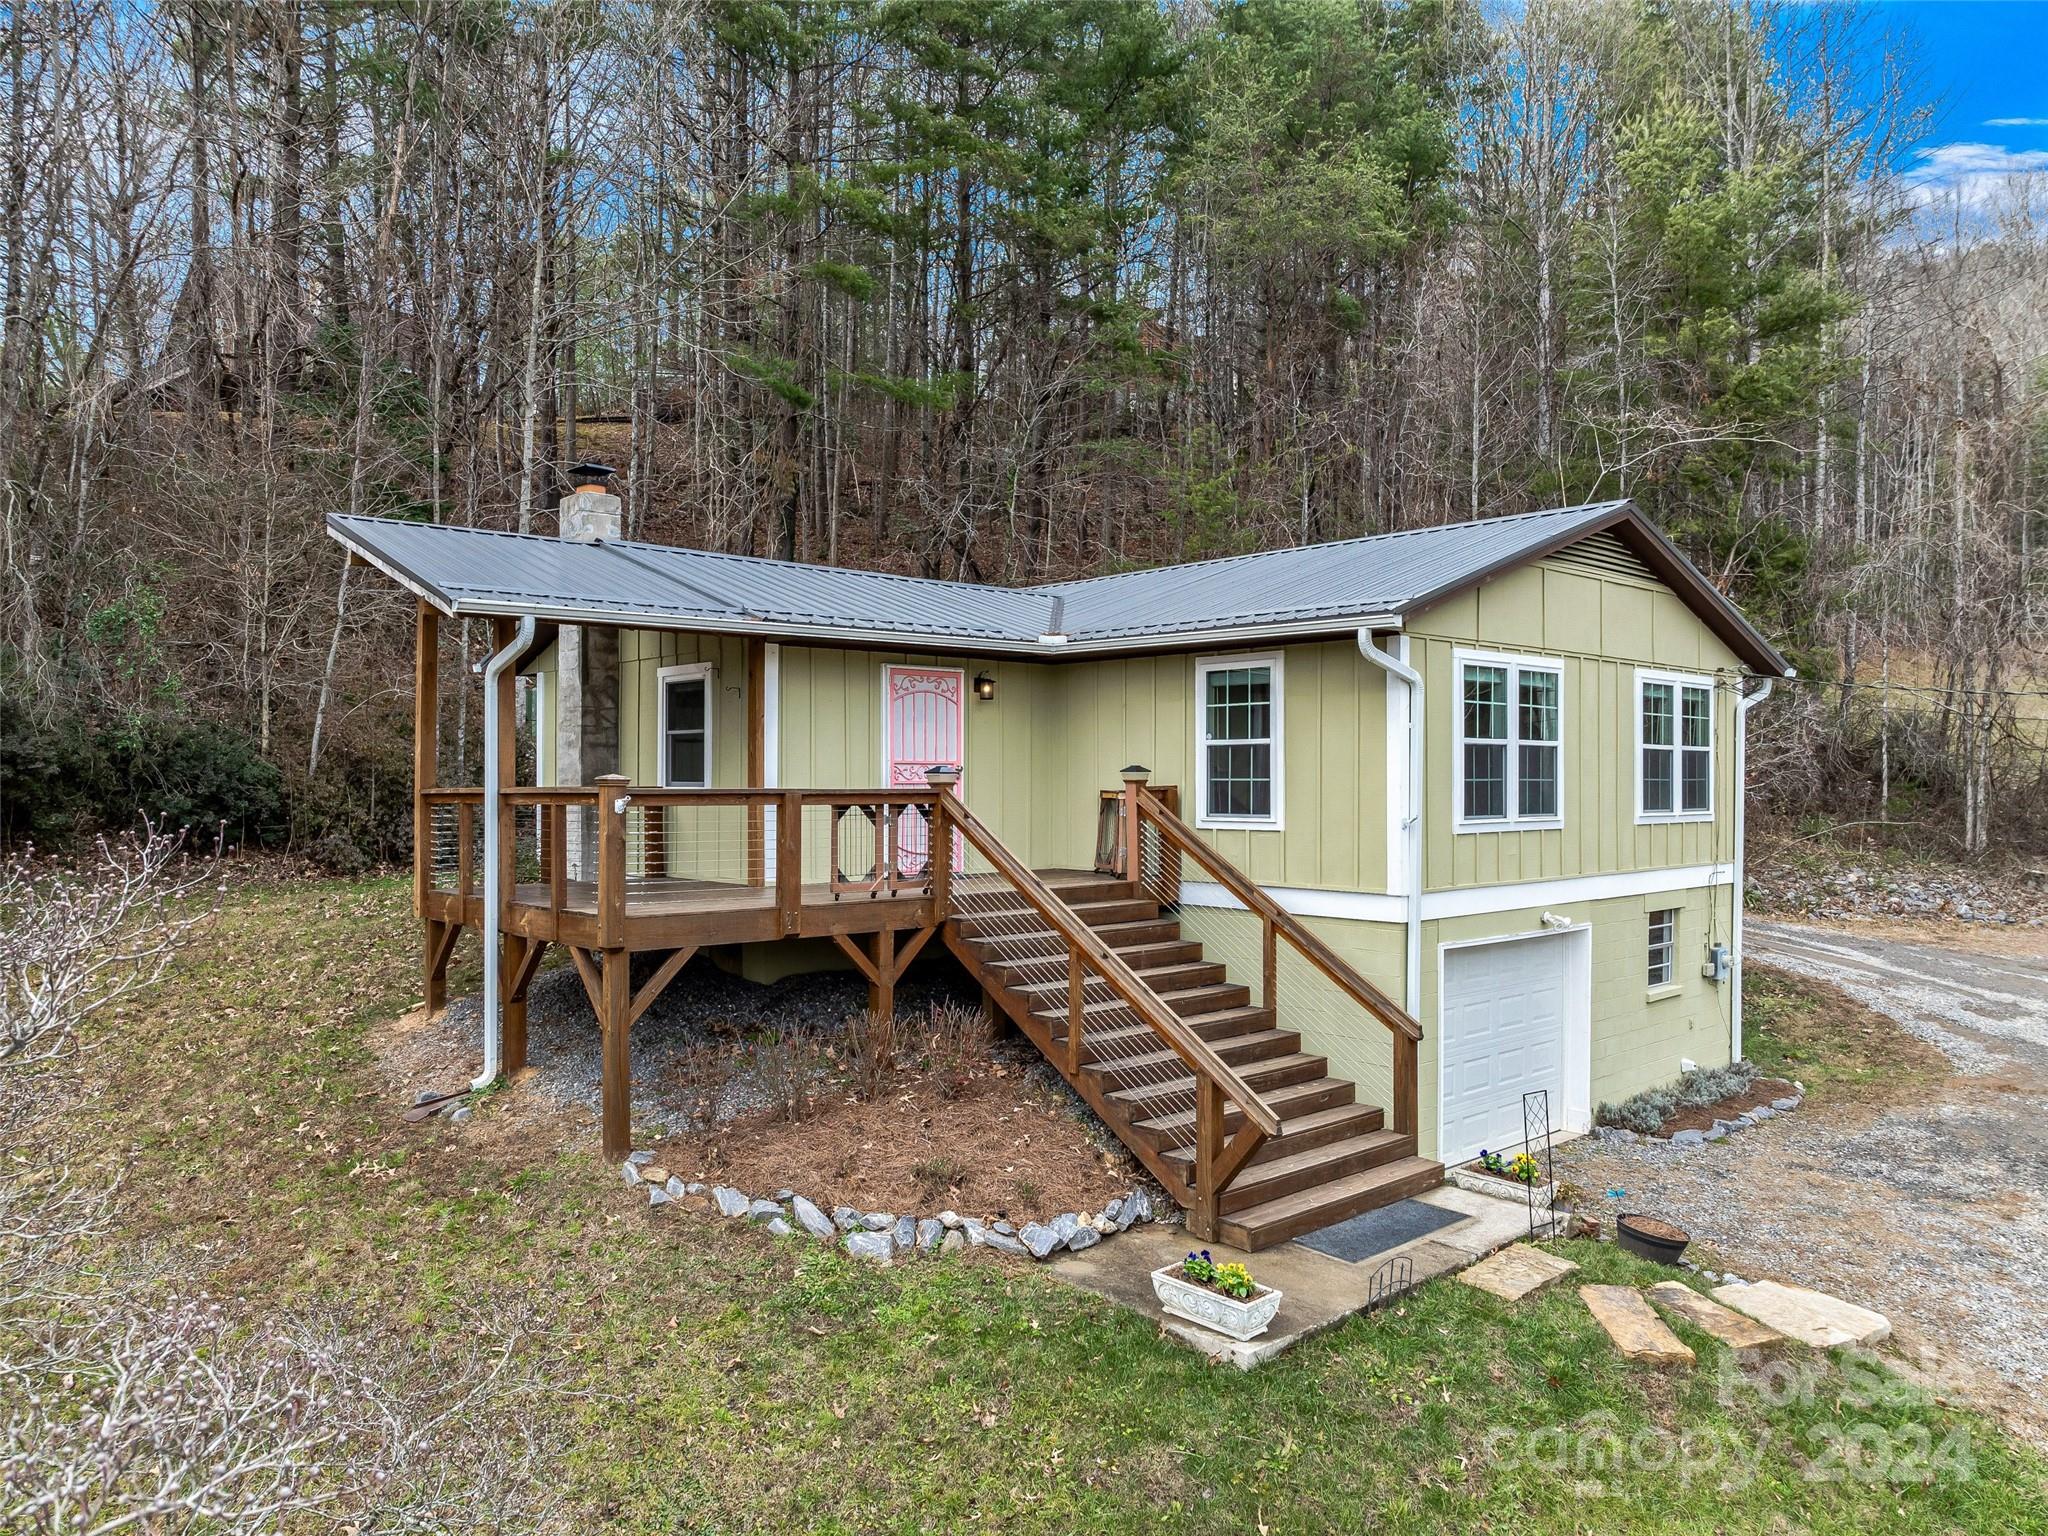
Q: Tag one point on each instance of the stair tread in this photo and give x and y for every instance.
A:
(1056, 942)
(1317, 1197)
(1277, 1100)
(1146, 976)
(1160, 1058)
(1303, 1126)
(1329, 1152)
(1111, 1005)
(1268, 1066)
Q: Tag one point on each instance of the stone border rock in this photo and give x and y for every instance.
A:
(1618, 1135)
(884, 1236)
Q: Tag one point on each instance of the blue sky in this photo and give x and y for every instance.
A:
(1983, 62)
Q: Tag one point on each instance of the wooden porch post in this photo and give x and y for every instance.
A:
(882, 990)
(1135, 778)
(426, 727)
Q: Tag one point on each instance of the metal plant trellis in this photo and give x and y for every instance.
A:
(1535, 1128)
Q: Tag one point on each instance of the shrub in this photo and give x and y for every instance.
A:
(1648, 1111)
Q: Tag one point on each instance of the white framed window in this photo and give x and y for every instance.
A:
(1508, 769)
(1674, 747)
(1663, 947)
(1238, 742)
(684, 727)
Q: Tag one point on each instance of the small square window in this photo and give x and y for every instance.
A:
(1663, 946)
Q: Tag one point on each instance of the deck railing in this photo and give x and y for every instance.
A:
(603, 854)
(1288, 956)
(1168, 1075)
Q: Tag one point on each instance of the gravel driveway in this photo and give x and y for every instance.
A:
(1934, 1210)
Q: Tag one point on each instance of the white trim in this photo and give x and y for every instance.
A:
(1380, 907)
(1397, 795)
(663, 676)
(1576, 1115)
(1277, 721)
(1353, 906)
(1516, 663)
(1545, 893)
(771, 749)
(771, 717)
(544, 686)
(1671, 947)
(1678, 681)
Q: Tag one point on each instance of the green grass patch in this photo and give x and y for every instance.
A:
(702, 1377)
(1805, 1030)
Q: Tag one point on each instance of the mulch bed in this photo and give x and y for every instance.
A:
(1001, 1142)
(1760, 1092)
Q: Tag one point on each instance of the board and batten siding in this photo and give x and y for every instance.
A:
(1107, 714)
(1602, 628)
(830, 725)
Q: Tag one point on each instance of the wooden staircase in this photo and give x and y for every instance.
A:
(1331, 1157)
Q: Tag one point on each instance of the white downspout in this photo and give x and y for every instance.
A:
(522, 637)
(1411, 822)
(1748, 702)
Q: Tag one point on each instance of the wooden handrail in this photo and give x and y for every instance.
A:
(1285, 923)
(1196, 1053)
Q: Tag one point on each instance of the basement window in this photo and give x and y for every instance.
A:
(1663, 946)
(1674, 747)
(1237, 757)
(685, 726)
(1509, 764)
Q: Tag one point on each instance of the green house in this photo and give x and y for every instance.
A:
(1314, 870)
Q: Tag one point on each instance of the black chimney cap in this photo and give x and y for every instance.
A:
(590, 471)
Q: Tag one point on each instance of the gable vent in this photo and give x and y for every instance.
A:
(1603, 555)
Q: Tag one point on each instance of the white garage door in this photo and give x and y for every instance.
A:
(1503, 1035)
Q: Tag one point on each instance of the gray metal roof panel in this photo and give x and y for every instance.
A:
(1382, 573)
(1278, 592)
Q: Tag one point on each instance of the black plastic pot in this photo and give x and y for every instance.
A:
(1644, 1246)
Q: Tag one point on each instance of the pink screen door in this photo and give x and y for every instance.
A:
(921, 730)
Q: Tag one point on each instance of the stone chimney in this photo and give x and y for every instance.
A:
(587, 664)
(590, 513)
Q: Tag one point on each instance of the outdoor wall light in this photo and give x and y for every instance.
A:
(984, 686)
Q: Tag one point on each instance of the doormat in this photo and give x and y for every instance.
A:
(1371, 1233)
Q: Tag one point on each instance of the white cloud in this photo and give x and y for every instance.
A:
(1976, 173)
(2016, 122)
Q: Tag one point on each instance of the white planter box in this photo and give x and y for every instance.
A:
(1502, 1189)
(1240, 1320)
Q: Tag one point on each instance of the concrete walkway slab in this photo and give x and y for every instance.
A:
(1637, 1331)
(1712, 1319)
(1516, 1272)
(1318, 1290)
(1811, 1317)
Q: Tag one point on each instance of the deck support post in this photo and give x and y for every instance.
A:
(615, 1020)
(882, 990)
(513, 976)
(426, 725)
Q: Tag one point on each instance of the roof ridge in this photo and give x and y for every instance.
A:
(1363, 538)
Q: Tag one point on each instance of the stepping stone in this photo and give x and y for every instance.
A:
(1731, 1328)
(1811, 1317)
(1638, 1332)
(1517, 1271)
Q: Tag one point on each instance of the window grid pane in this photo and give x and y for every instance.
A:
(1238, 755)
(1486, 703)
(1663, 944)
(1697, 709)
(1657, 715)
(1485, 780)
(1539, 694)
(1537, 786)
(1696, 781)
(1657, 779)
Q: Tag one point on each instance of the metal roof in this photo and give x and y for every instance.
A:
(1312, 589)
